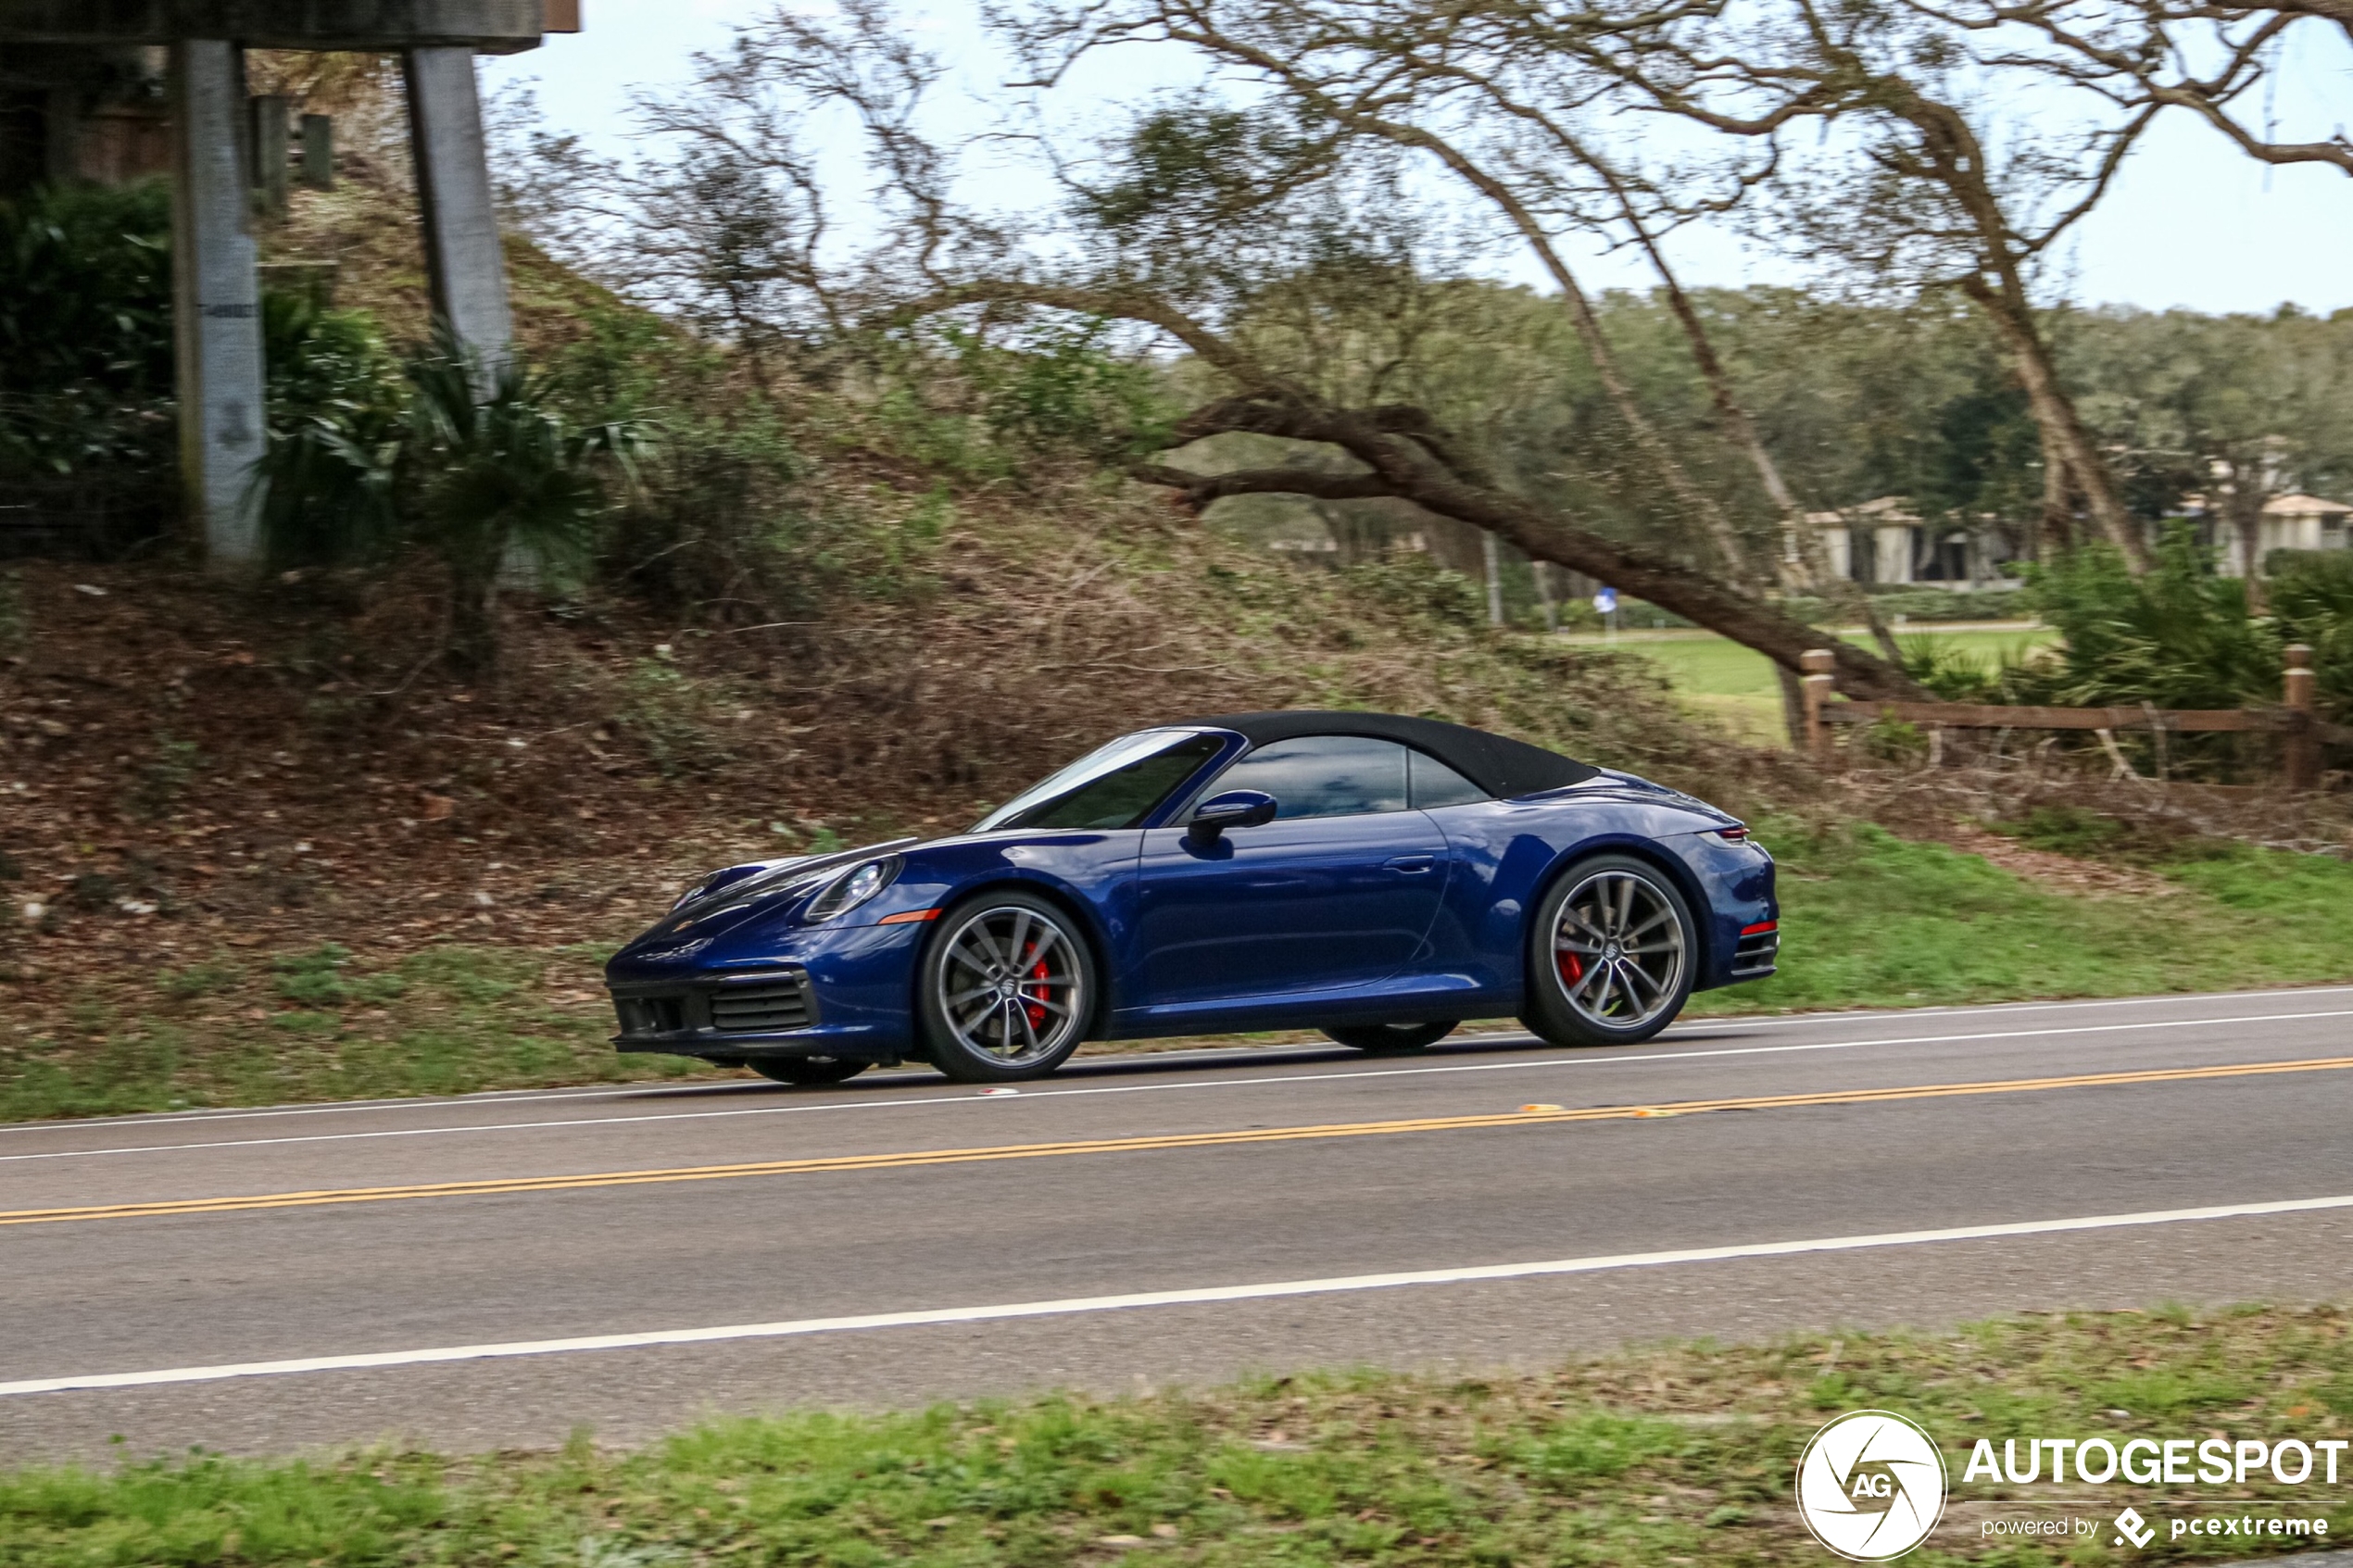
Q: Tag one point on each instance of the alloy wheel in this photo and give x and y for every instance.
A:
(1012, 986)
(1618, 948)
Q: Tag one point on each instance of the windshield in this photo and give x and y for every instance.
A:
(1116, 786)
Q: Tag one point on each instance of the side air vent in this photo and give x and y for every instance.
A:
(760, 1009)
(651, 1015)
(1759, 947)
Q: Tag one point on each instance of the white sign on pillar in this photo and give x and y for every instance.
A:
(216, 301)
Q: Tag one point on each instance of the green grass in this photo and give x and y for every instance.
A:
(319, 1024)
(1669, 1455)
(1734, 684)
(1871, 920)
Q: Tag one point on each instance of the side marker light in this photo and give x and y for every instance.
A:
(908, 917)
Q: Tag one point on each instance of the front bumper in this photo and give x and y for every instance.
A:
(840, 991)
(734, 1015)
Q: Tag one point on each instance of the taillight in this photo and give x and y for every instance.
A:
(1731, 836)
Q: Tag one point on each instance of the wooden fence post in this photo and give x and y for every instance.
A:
(1819, 682)
(2300, 747)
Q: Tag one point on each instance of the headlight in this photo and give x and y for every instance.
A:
(853, 887)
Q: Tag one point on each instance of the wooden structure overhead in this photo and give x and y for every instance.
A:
(491, 27)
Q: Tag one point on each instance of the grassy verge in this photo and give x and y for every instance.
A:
(1673, 1455)
(1871, 920)
(319, 1024)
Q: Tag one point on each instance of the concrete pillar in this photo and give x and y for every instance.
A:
(216, 301)
(462, 255)
(272, 154)
(318, 152)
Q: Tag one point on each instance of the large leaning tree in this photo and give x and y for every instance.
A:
(1865, 124)
(1192, 233)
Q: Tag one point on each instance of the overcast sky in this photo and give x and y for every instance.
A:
(2191, 223)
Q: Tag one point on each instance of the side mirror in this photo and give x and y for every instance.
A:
(1234, 808)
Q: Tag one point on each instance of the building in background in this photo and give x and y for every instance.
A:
(2289, 523)
(1885, 542)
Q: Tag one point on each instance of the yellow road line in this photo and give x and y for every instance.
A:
(1141, 1145)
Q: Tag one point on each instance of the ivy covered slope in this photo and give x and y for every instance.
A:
(266, 848)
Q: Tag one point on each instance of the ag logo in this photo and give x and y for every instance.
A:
(1871, 1485)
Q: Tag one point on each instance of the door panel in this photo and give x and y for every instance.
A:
(1297, 904)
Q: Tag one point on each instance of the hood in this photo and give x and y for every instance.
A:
(726, 899)
(754, 876)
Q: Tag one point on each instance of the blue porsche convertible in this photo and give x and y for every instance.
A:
(1376, 877)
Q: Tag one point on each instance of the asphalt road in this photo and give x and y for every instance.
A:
(1492, 1201)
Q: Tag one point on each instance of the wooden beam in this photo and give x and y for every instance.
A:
(1997, 716)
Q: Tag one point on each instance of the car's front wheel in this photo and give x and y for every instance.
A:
(808, 1070)
(1390, 1039)
(1005, 989)
(1610, 954)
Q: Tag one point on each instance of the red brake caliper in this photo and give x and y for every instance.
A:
(1572, 967)
(1037, 974)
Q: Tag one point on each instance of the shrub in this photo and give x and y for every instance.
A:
(2312, 602)
(476, 465)
(86, 428)
(2178, 637)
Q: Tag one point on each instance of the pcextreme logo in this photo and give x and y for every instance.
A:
(1871, 1485)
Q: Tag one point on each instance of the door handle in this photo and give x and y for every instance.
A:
(1412, 864)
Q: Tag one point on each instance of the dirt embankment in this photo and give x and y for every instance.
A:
(186, 763)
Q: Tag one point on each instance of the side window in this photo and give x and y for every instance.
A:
(1432, 782)
(1324, 775)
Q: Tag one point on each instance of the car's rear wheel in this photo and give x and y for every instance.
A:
(1005, 989)
(1610, 954)
(1390, 1040)
(808, 1071)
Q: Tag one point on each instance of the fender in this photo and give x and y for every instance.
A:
(1647, 851)
(1064, 897)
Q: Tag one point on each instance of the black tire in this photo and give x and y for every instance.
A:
(1390, 1040)
(997, 1000)
(810, 1071)
(1614, 973)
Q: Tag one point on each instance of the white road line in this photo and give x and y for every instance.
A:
(1701, 1028)
(1207, 1295)
(1032, 1095)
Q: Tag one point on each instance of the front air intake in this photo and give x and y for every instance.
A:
(763, 1008)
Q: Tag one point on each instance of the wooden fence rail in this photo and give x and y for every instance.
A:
(2301, 730)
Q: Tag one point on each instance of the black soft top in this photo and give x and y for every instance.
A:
(1503, 766)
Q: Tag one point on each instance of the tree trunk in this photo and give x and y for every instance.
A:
(1793, 706)
(2245, 507)
(1401, 467)
(1797, 568)
(2056, 528)
(2055, 417)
